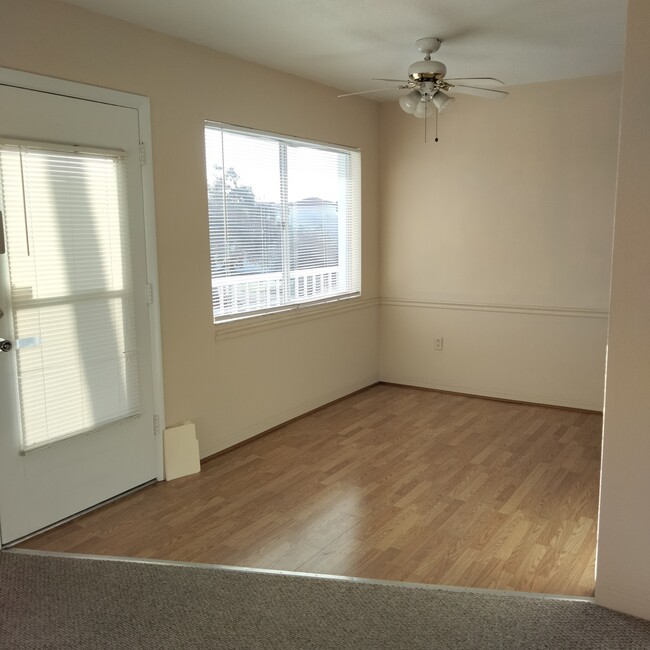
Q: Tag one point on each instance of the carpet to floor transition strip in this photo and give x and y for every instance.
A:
(64, 602)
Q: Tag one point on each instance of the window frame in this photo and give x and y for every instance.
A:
(353, 223)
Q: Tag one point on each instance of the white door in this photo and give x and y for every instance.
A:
(76, 397)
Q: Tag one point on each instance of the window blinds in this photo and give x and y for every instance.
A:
(284, 219)
(72, 300)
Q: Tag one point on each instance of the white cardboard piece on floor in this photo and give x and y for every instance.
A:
(181, 450)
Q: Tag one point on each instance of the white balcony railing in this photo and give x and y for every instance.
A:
(242, 294)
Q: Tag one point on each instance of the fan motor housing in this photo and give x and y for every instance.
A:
(427, 71)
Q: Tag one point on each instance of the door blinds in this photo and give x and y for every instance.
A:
(67, 240)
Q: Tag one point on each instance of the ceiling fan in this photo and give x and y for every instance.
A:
(429, 86)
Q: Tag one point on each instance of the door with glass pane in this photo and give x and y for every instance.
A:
(76, 406)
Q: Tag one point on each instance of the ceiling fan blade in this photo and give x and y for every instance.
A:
(374, 90)
(397, 81)
(480, 92)
(484, 81)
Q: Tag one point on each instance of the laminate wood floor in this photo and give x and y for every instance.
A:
(391, 483)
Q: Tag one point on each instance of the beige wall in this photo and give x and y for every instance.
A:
(623, 580)
(242, 384)
(498, 238)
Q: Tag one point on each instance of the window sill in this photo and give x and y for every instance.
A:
(291, 316)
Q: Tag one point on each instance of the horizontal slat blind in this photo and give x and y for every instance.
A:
(72, 298)
(284, 220)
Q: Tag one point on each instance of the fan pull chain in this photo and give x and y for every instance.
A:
(436, 126)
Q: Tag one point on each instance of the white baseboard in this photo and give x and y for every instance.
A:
(633, 604)
(281, 417)
(480, 391)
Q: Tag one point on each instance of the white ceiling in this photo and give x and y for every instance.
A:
(345, 43)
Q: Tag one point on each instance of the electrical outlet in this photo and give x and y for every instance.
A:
(437, 343)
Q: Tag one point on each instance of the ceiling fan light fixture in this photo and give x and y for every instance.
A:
(442, 101)
(424, 109)
(427, 81)
(410, 102)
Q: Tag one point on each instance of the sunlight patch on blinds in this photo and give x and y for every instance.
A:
(285, 221)
(68, 248)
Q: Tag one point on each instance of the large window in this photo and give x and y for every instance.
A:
(284, 221)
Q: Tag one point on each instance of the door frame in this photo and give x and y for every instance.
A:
(140, 103)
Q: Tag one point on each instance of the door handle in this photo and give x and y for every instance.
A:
(5, 345)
